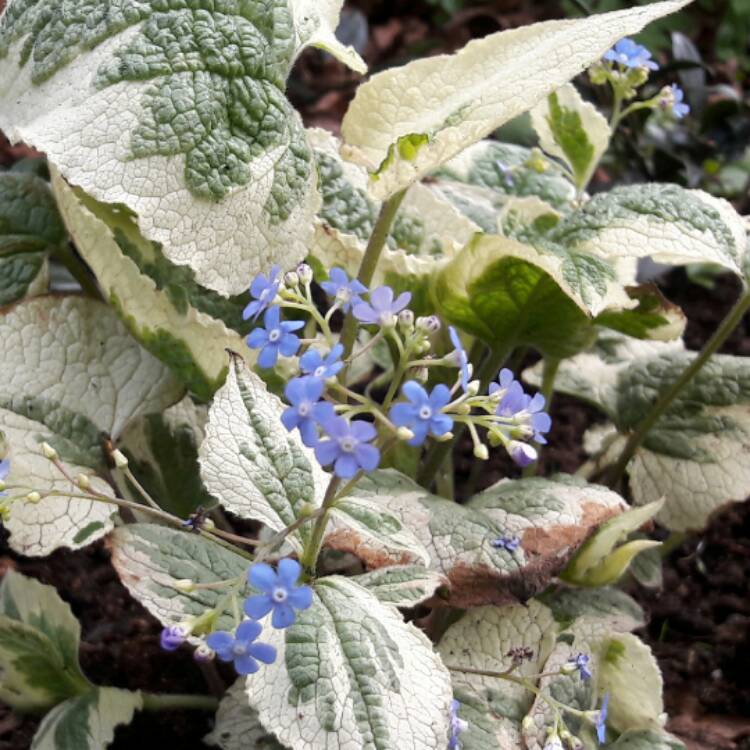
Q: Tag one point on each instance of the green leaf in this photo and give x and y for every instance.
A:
(618, 610)
(163, 453)
(572, 130)
(183, 324)
(151, 559)
(456, 100)
(237, 726)
(22, 275)
(39, 639)
(178, 112)
(72, 374)
(646, 740)
(251, 464)
(351, 673)
(402, 585)
(87, 722)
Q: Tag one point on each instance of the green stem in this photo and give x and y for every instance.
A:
(437, 452)
(309, 557)
(666, 399)
(549, 374)
(64, 253)
(160, 702)
(369, 263)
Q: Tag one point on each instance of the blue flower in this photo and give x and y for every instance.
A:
(307, 411)
(241, 648)
(313, 363)
(528, 410)
(505, 379)
(345, 291)
(631, 55)
(509, 543)
(349, 448)
(522, 454)
(457, 726)
(4, 471)
(423, 414)
(672, 101)
(581, 664)
(275, 338)
(382, 309)
(601, 720)
(280, 592)
(462, 358)
(173, 637)
(264, 289)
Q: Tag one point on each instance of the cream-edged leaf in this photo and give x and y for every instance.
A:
(163, 307)
(402, 585)
(407, 121)
(87, 722)
(352, 675)
(618, 610)
(250, 463)
(176, 111)
(573, 131)
(151, 559)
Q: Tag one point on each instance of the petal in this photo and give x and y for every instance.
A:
(346, 466)
(258, 606)
(248, 630)
(263, 652)
(420, 433)
(272, 318)
(541, 422)
(289, 344)
(251, 310)
(536, 403)
(381, 298)
(506, 377)
(258, 338)
(441, 424)
(296, 390)
(245, 664)
(329, 288)
(292, 325)
(440, 396)
(365, 313)
(327, 452)
(263, 577)
(363, 431)
(290, 418)
(403, 415)
(337, 427)
(301, 597)
(415, 393)
(368, 456)
(338, 276)
(323, 412)
(310, 360)
(314, 388)
(283, 616)
(401, 302)
(260, 283)
(357, 287)
(308, 431)
(268, 356)
(289, 572)
(335, 354)
(222, 643)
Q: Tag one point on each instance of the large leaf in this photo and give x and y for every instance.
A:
(460, 538)
(151, 559)
(407, 121)
(185, 325)
(617, 609)
(22, 275)
(39, 638)
(87, 722)
(351, 674)
(176, 111)
(250, 463)
(402, 585)
(72, 374)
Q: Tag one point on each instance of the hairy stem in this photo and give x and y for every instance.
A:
(666, 399)
(309, 557)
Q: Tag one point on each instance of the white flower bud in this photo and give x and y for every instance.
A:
(49, 452)
(305, 273)
(481, 452)
(406, 319)
(429, 324)
(463, 409)
(445, 438)
(204, 653)
(473, 388)
(404, 433)
(33, 497)
(83, 481)
(121, 462)
(291, 280)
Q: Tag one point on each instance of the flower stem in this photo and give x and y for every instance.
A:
(732, 320)
(309, 557)
(161, 702)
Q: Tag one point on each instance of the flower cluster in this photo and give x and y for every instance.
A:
(279, 596)
(349, 431)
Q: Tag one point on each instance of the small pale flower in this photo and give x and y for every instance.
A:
(505, 379)
(601, 720)
(629, 54)
(462, 359)
(382, 308)
(280, 592)
(525, 409)
(264, 290)
(422, 414)
(313, 363)
(580, 662)
(457, 726)
(509, 543)
(344, 290)
(173, 636)
(275, 338)
(348, 448)
(522, 453)
(241, 647)
(307, 411)
(672, 101)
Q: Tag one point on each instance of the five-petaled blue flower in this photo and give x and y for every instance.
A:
(264, 289)
(4, 471)
(307, 411)
(457, 726)
(275, 338)
(313, 363)
(349, 448)
(280, 592)
(344, 290)
(516, 404)
(423, 414)
(509, 543)
(241, 647)
(581, 664)
(673, 101)
(382, 309)
(629, 54)
(461, 356)
(505, 379)
(601, 720)
(172, 637)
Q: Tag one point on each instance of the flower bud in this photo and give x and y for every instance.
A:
(537, 162)
(463, 408)
(598, 74)
(481, 452)
(387, 322)
(429, 324)
(473, 387)
(204, 653)
(33, 497)
(49, 452)
(421, 375)
(445, 437)
(406, 319)
(173, 636)
(291, 280)
(404, 433)
(185, 585)
(305, 273)
(121, 462)
(637, 76)
(522, 453)
(83, 482)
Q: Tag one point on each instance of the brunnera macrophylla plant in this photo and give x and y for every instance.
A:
(394, 276)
